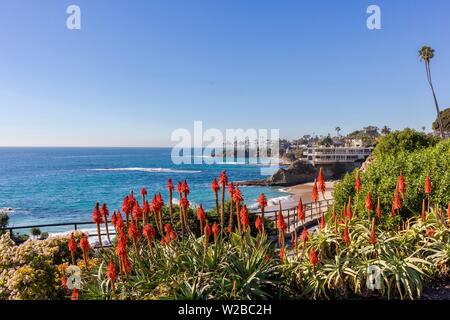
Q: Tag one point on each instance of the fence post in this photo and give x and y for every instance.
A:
(75, 226)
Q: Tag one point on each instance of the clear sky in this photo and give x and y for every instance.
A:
(139, 69)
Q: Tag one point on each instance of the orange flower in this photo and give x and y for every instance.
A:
(315, 193)
(96, 215)
(104, 211)
(170, 185)
(304, 236)
(397, 202)
(346, 235)
(349, 209)
(133, 232)
(111, 270)
(427, 185)
(258, 223)
(357, 182)
(119, 223)
(170, 233)
(322, 222)
(231, 189)
(300, 211)
(180, 187)
(72, 247)
(369, 202)
(321, 181)
(262, 201)
(237, 195)
(424, 213)
(114, 219)
(313, 259)
(281, 225)
(207, 230)
(244, 218)
(185, 188)
(201, 213)
(223, 179)
(137, 212)
(215, 229)
(215, 186)
(402, 184)
(282, 254)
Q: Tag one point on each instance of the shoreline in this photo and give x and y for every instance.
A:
(298, 191)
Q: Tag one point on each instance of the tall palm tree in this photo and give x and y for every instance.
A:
(337, 129)
(426, 54)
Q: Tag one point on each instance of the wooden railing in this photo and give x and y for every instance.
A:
(313, 212)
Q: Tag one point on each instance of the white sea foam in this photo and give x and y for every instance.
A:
(7, 210)
(156, 170)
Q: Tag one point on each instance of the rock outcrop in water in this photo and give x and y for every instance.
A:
(301, 172)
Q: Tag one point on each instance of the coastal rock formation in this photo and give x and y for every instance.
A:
(300, 172)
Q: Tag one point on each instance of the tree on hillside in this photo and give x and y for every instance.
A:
(385, 130)
(426, 54)
(445, 118)
(337, 129)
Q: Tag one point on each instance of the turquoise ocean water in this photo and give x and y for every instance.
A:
(50, 185)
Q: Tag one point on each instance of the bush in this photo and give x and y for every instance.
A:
(381, 175)
(30, 270)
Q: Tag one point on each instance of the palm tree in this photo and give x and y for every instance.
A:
(426, 54)
(337, 129)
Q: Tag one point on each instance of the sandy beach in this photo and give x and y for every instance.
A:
(300, 191)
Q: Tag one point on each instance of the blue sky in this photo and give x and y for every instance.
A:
(137, 70)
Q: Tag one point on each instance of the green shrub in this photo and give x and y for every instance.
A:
(381, 176)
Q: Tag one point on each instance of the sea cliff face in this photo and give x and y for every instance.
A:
(300, 172)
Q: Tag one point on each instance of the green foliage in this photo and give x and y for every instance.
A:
(407, 140)
(380, 178)
(4, 219)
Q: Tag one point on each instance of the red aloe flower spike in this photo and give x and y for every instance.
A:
(369, 204)
(349, 209)
(201, 216)
(170, 188)
(258, 224)
(170, 233)
(97, 218)
(145, 212)
(149, 232)
(262, 203)
(313, 259)
(215, 230)
(402, 184)
(427, 185)
(430, 232)
(379, 209)
(143, 194)
(322, 222)
(133, 233)
(72, 247)
(304, 236)
(346, 234)
(223, 181)
(111, 273)
(207, 233)
(185, 189)
(126, 207)
(357, 182)
(119, 224)
(282, 254)
(114, 219)
(215, 189)
(321, 182)
(281, 226)
(180, 188)
(300, 211)
(237, 198)
(315, 193)
(85, 247)
(244, 218)
(137, 213)
(397, 202)
(373, 239)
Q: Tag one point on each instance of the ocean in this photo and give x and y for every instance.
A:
(52, 185)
